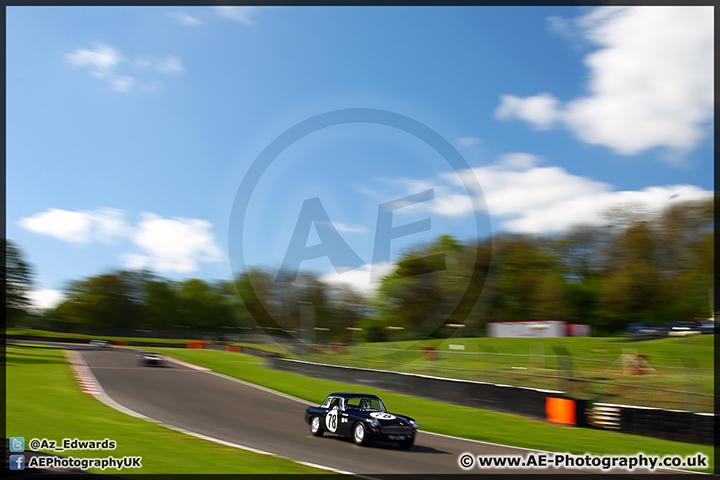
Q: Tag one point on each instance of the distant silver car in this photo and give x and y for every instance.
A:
(151, 359)
(100, 343)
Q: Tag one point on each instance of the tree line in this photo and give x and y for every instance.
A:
(637, 267)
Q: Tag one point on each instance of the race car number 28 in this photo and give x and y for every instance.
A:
(382, 416)
(331, 420)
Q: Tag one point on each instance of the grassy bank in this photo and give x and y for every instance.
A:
(675, 365)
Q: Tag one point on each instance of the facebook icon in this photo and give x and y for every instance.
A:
(17, 462)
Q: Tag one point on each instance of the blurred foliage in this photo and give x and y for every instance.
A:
(144, 304)
(18, 282)
(638, 267)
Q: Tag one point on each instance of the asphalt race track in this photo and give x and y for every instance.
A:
(235, 412)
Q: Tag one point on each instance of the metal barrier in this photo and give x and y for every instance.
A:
(529, 402)
(678, 425)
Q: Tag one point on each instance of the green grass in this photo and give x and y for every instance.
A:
(521, 363)
(43, 400)
(667, 351)
(445, 418)
(265, 347)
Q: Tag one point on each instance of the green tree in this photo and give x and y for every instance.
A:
(161, 309)
(108, 304)
(685, 234)
(530, 285)
(347, 308)
(240, 317)
(18, 282)
(276, 305)
(427, 290)
(255, 289)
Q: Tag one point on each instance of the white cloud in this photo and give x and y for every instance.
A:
(445, 201)
(561, 26)
(105, 62)
(101, 61)
(540, 110)
(238, 14)
(364, 279)
(44, 299)
(135, 261)
(167, 245)
(122, 83)
(351, 228)
(346, 227)
(68, 226)
(184, 18)
(450, 204)
(519, 160)
(110, 224)
(525, 197)
(104, 224)
(509, 191)
(589, 209)
(171, 64)
(650, 81)
(174, 245)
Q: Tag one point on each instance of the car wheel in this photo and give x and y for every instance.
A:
(316, 426)
(360, 436)
(407, 443)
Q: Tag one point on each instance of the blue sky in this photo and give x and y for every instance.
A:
(130, 130)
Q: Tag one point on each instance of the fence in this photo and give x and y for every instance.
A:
(628, 378)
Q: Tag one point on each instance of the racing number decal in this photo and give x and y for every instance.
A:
(382, 416)
(331, 421)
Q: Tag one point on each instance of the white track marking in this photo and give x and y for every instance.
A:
(188, 365)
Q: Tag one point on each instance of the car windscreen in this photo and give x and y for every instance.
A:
(366, 403)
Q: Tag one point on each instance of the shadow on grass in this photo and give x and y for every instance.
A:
(27, 346)
(10, 360)
(31, 355)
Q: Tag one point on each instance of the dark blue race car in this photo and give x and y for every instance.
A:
(362, 417)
